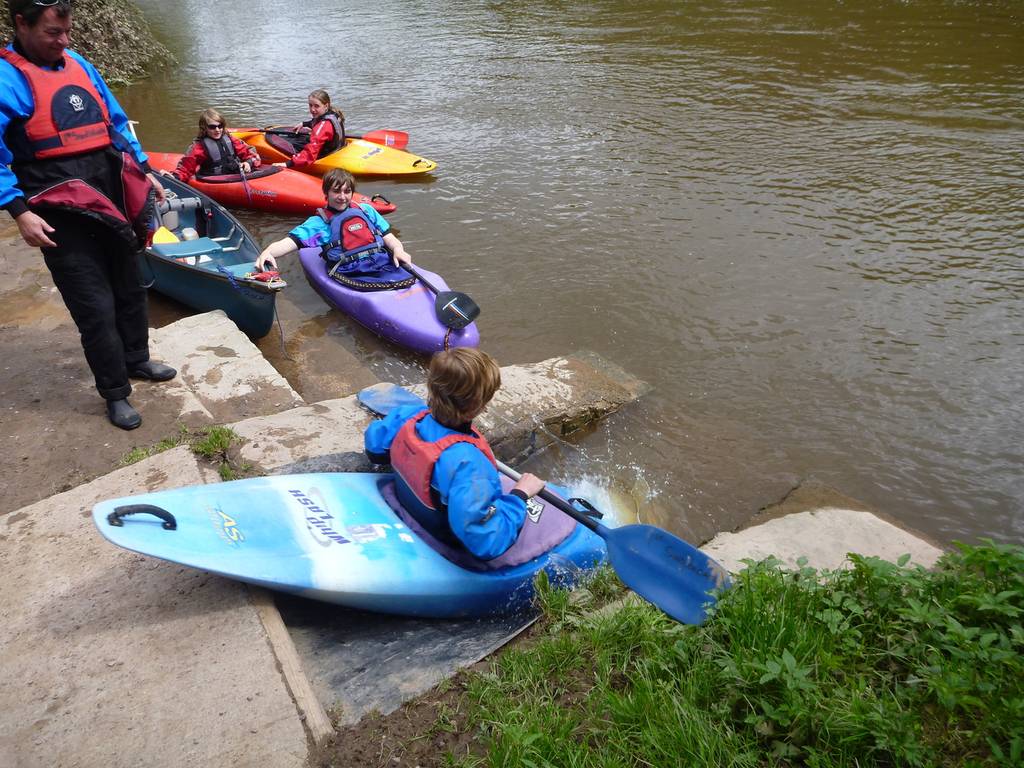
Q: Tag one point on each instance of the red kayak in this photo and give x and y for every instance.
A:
(271, 189)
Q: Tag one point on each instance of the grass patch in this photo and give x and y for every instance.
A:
(212, 443)
(878, 665)
(137, 454)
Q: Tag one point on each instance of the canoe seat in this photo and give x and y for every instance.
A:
(179, 250)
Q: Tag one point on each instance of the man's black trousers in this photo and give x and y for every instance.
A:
(97, 275)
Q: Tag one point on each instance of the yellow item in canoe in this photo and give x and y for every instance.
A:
(164, 235)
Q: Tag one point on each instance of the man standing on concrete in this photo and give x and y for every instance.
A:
(79, 187)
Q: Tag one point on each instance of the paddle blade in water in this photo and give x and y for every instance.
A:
(665, 570)
(455, 310)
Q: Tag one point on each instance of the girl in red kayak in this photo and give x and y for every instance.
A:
(214, 152)
(326, 130)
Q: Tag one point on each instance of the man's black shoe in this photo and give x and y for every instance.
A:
(121, 414)
(152, 371)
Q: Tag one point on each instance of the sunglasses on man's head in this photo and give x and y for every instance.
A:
(48, 3)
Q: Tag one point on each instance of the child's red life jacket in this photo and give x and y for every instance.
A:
(413, 460)
(352, 236)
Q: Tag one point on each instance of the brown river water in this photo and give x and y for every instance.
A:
(801, 221)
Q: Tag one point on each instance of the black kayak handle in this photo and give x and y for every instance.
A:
(116, 518)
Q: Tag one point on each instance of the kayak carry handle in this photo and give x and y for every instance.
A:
(116, 518)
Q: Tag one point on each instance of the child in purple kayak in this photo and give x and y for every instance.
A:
(445, 473)
(358, 244)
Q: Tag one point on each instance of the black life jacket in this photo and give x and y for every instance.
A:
(338, 141)
(220, 156)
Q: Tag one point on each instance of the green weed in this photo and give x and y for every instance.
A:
(877, 665)
(137, 454)
(211, 443)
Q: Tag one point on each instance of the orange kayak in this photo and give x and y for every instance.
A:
(271, 189)
(359, 157)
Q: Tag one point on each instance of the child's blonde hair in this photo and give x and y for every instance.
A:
(460, 384)
(207, 118)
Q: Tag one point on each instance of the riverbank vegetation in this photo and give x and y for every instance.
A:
(113, 35)
(212, 443)
(877, 665)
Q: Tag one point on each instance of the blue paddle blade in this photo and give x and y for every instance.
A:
(664, 570)
(384, 398)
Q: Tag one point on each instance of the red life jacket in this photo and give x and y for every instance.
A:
(352, 234)
(70, 117)
(68, 156)
(413, 460)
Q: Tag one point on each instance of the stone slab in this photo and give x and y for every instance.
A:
(115, 659)
(325, 436)
(224, 373)
(536, 404)
(806, 525)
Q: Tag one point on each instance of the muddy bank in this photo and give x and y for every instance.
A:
(53, 424)
(113, 35)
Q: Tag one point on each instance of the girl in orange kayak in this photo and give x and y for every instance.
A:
(326, 129)
(214, 152)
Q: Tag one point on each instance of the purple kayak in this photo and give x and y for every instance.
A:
(405, 316)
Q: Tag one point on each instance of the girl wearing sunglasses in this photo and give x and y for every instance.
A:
(214, 152)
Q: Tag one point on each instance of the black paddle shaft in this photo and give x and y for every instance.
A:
(454, 309)
(419, 276)
(555, 501)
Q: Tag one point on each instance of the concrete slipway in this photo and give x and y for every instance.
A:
(114, 659)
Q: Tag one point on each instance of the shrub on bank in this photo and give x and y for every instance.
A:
(113, 35)
(877, 665)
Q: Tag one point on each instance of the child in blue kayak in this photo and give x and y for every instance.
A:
(445, 473)
(361, 243)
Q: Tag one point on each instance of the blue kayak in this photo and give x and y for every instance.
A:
(331, 537)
